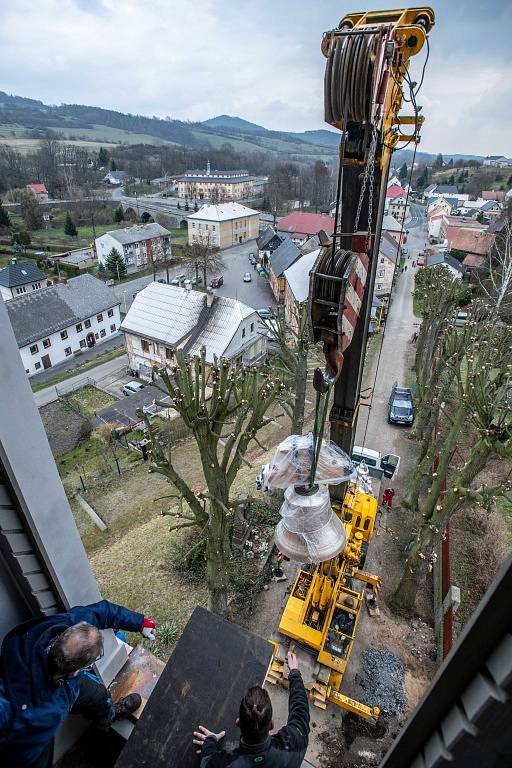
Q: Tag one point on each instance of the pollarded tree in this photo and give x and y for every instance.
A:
(115, 264)
(225, 406)
(481, 409)
(204, 255)
(294, 346)
(497, 285)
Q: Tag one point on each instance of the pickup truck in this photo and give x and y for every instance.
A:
(401, 406)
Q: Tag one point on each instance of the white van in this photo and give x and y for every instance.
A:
(377, 464)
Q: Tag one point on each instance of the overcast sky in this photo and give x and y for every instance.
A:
(194, 59)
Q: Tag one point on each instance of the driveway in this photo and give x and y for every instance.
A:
(125, 410)
(112, 370)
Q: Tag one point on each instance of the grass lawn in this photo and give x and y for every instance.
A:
(85, 366)
(90, 400)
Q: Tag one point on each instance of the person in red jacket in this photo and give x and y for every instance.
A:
(284, 749)
(387, 498)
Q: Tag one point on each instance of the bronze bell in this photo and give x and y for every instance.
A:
(309, 531)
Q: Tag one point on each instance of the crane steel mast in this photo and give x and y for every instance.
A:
(368, 57)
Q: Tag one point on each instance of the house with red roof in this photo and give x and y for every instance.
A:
(396, 201)
(300, 226)
(39, 190)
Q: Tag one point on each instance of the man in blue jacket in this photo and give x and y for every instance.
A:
(45, 675)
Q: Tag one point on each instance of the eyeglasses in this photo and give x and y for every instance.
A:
(81, 669)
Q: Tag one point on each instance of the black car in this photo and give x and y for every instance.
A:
(401, 406)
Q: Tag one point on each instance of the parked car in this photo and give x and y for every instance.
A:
(247, 277)
(401, 406)
(162, 280)
(131, 387)
(252, 259)
(420, 260)
(405, 251)
(461, 319)
(216, 282)
(266, 313)
(177, 280)
(196, 280)
(377, 464)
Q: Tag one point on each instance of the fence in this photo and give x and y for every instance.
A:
(73, 386)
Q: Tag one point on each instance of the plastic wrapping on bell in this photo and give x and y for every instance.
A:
(309, 531)
(291, 463)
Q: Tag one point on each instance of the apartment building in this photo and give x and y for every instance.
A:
(140, 245)
(223, 225)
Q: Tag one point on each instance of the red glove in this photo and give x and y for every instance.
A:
(148, 628)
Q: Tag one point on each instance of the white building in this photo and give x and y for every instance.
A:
(388, 257)
(140, 245)
(55, 323)
(163, 318)
(223, 225)
(20, 277)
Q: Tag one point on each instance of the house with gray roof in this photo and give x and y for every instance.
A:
(283, 257)
(139, 246)
(20, 277)
(297, 285)
(267, 243)
(444, 259)
(55, 323)
(163, 318)
(389, 255)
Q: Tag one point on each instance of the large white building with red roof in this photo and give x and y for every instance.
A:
(396, 201)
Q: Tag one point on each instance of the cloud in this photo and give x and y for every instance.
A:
(260, 61)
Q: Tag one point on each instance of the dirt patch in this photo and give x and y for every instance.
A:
(64, 427)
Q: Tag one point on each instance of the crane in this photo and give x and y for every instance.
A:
(367, 70)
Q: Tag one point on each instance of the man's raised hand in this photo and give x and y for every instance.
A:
(202, 734)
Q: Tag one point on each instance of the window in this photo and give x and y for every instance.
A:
(144, 345)
(110, 313)
(379, 286)
(21, 289)
(37, 366)
(112, 328)
(169, 354)
(103, 333)
(99, 318)
(46, 343)
(34, 349)
(63, 335)
(67, 351)
(381, 273)
(213, 227)
(82, 344)
(35, 286)
(87, 323)
(243, 333)
(96, 336)
(382, 259)
(78, 327)
(252, 327)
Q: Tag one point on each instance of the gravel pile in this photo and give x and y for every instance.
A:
(383, 681)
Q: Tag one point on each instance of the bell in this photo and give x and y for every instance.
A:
(309, 531)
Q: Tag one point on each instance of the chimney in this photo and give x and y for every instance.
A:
(209, 297)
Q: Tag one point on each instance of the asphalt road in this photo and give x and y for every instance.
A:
(417, 216)
(255, 294)
(373, 429)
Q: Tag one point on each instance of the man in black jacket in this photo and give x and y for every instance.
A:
(285, 749)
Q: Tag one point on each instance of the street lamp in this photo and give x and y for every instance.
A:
(124, 301)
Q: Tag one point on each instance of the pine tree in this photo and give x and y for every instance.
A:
(115, 264)
(187, 207)
(402, 173)
(103, 156)
(196, 207)
(119, 215)
(5, 221)
(439, 162)
(69, 226)
(178, 206)
(113, 166)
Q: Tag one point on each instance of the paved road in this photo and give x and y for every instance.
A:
(112, 369)
(380, 435)
(255, 294)
(417, 216)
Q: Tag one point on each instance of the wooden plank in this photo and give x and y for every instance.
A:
(203, 682)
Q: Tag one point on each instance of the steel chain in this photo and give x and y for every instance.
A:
(368, 176)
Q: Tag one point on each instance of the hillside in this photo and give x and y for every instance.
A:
(23, 119)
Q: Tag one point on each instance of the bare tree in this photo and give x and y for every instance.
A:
(497, 286)
(225, 406)
(204, 256)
